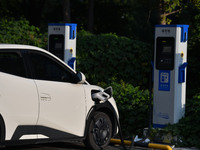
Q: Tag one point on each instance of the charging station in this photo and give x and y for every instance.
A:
(62, 42)
(170, 61)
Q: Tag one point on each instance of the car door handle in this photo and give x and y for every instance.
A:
(45, 97)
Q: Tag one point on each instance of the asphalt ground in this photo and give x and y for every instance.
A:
(76, 145)
(68, 145)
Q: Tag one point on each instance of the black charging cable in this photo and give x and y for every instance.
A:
(120, 133)
(150, 97)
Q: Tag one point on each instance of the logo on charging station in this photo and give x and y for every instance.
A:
(164, 80)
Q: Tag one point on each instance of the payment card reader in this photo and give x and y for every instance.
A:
(170, 62)
(62, 42)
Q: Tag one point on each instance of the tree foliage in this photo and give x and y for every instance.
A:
(190, 14)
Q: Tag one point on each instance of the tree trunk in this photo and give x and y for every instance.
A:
(33, 10)
(163, 14)
(66, 11)
(91, 16)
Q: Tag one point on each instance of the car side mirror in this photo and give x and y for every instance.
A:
(81, 77)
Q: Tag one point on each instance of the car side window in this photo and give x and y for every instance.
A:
(12, 63)
(46, 68)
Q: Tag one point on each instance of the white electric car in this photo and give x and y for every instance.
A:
(43, 100)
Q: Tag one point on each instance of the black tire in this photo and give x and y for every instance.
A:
(99, 132)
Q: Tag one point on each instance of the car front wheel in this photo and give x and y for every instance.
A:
(100, 131)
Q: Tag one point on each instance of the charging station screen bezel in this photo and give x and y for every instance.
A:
(165, 51)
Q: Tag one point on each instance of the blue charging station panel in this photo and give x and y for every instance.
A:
(71, 62)
(181, 72)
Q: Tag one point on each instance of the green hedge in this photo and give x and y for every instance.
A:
(104, 56)
(21, 32)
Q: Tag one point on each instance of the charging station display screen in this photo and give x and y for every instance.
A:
(167, 49)
(165, 53)
(56, 45)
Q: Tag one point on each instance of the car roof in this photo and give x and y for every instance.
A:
(19, 46)
(27, 47)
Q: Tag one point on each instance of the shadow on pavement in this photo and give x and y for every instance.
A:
(71, 145)
(49, 146)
